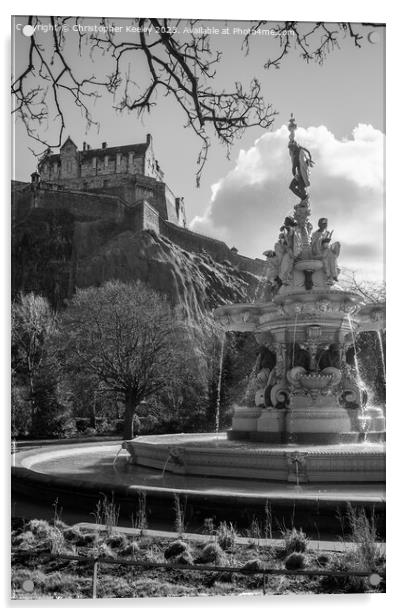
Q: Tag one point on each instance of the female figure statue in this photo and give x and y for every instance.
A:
(301, 163)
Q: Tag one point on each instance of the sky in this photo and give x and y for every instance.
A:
(339, 108)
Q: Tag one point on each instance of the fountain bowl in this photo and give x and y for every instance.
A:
(315, 380)
(309, 265)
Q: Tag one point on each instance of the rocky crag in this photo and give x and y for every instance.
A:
(54, 252)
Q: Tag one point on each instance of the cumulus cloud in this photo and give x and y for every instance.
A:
(249, 204)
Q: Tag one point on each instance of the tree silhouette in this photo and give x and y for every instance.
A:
(182, 68)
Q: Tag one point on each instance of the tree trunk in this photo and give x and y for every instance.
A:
(131, 404)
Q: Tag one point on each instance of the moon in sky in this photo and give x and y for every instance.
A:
(373, 37)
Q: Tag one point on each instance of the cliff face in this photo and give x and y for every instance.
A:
(193, 281)
(54, 252)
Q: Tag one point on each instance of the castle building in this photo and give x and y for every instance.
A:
(108, 190)
(130, 172)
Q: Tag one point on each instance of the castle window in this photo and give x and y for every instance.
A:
(118, 160)
(94, 163)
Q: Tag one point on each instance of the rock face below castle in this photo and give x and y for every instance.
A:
(58, 246)
(99, 214)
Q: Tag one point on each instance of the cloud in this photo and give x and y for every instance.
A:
(249, 204)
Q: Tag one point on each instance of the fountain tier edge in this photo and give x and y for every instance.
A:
(216, 456)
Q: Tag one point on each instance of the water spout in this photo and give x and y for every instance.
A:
(117, 455)
(297, 473)
(294, 340)
(360, 383)
(263, 280)
(219, 388)
(380, 344)
(166, 463)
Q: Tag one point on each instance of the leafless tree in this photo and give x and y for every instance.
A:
(371, 290)
(123, 334)
(180, 67)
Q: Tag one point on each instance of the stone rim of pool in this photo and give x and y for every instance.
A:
(42, 469)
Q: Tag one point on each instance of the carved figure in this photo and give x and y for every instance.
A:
(301, 163)
(285, 256)
(319, 236)
(329, 253)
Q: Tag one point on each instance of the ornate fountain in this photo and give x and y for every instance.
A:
(307, 387)
(305, 416)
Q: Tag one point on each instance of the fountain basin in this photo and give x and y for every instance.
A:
(212, 456)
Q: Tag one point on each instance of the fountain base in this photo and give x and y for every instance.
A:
(306, 438)
(315, 425)
(218, 456)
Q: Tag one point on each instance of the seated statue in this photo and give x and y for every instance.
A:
(329, 253)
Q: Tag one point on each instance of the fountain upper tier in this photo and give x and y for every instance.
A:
(333, 309)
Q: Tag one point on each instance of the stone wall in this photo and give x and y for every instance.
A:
(135, 207)
(82, 205)
(143, 216)
(218, 250)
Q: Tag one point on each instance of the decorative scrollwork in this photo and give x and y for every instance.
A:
(280, 396)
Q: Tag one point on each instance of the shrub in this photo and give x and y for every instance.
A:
(295, 540)
(295, 561)
(226, 535)
(254, 565)
(345, 562)
(184, 558)
(212, 553)
(40, 528)
(116, 541)
(46, 536)
(154, 554)
(131, 549)
(322, 560)
(87, 539)
(25, 540)
(176, 548)
(364, 535)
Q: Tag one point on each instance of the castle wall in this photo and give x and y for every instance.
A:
(81, 205)
(136, 206)
(143, 216)
(218, 250)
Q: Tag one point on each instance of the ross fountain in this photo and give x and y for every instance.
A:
(309, 420)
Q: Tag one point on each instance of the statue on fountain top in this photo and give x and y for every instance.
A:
(301, 163)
